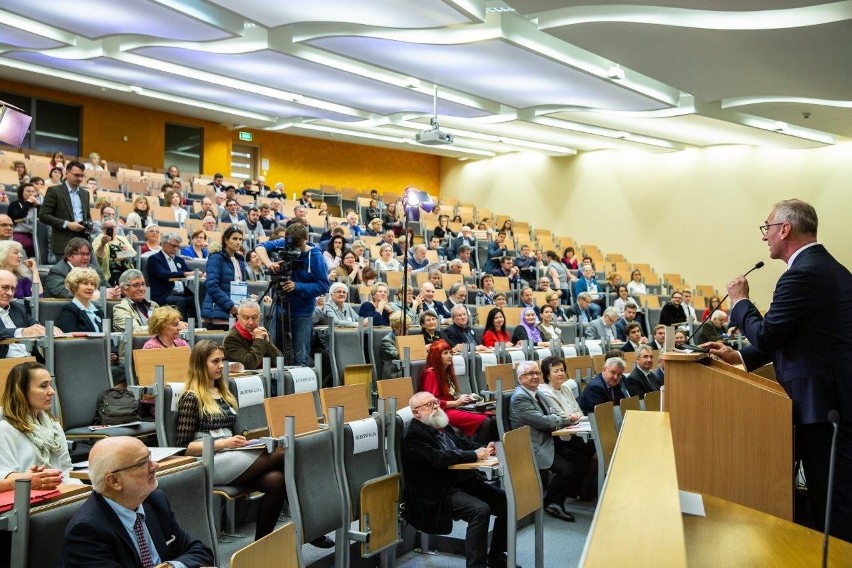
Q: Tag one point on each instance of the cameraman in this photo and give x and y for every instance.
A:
(308, 279)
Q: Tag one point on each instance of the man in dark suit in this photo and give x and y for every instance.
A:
(127, 521)
(608, 385)
(807, 334)
(631, 315)
(672, 313)
(459, 332)
(77, 254)
(642, 380)
(528, 409)
(435, 495)
(582, 309)
(15, 321)
(66, 208)
(162, 267)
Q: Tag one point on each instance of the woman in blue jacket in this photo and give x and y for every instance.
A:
(224, 267)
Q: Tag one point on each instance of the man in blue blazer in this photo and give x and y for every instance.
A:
(807, 334)
(161, 268)
(608, 385)
(127, 521)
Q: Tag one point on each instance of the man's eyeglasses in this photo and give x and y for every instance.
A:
(532, 374)
(81, 253)
(430, 404)
(765, 228)
(6, 225)
(136, 285)
(140, 463)
(7, 288)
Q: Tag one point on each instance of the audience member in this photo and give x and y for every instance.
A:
(165, 325)
(26, 271)
(641, 380)
(32, 443)
(133, 305)
(429, 327)
(459, 332)
(603, 328)
(608, 385)
(633, 338)
(687, 306)
(16, 320)
(588, 284)
(339, 308)
(113, 252)
(166, 271)
(377, 307)
(66, 208)
(435, 494)
(546, 327)
(485, 293)
(152, 240)
(495, 328)
(197, 247)
(78, 254)
(224, 267)
(525, 299)
(527, 409)
(497, 251)
(712, 330)
(439, 379)
(428, 303)
(207, 408)
(658, 343)
(527, 330)
(715, 303)
(248, 342)
(233, 212)
(672, 313)
(23, 213)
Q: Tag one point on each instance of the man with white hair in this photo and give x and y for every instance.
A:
(459, 332)
(127, 521)
(248, 341)
(603, 328)
(713, 329)
(418, 262)
(528, 409)
(435, 494)
(608, 385)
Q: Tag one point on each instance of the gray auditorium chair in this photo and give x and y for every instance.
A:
(363, 476)
(346, 347)
(49, 308)
(504, 401)
(81, 371)
(313, 491)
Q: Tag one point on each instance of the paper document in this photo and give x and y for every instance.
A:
(691, 503)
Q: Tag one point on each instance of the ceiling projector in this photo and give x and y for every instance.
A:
(434, 137)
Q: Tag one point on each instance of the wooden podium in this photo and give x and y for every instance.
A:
(732, 433)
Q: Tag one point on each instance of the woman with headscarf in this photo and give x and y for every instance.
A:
(527, 330)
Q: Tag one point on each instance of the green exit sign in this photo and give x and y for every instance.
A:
(245, 136)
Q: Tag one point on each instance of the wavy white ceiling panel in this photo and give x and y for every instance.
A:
(494, 69)
(95, 19)
(397, 14)
(272, 69)
(19, 38)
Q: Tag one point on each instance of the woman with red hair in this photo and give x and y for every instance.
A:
(439, 378)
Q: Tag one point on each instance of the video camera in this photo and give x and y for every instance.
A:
(287, 258)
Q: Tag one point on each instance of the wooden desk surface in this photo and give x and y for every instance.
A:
(734, 535)
(638, 519)
(490, 462)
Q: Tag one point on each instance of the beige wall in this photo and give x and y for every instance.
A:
(695, 212)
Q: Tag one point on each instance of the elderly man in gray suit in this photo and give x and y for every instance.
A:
(604, 328)
(528, 409)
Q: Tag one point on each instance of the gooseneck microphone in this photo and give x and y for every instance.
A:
(834, 418)
(760, 264)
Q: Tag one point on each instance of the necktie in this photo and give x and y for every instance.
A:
(611, 394)
(144, 552)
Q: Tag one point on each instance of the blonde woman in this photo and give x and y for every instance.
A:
(207, 408)
(12, 259)
(140, 217)
(165, 325)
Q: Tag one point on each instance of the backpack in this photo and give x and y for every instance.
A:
(116, 406)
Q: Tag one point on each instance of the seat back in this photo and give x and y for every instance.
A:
(401, 389)
(579, 368)
(165, 412)
(189, 496)
(6, 366)
(360, 375)
(250, 393)
(313, 490)
(345, 348)
(506, 372)
(353, 398)
(416, 343)
(369, 461)
(300, 406)
(49, 308)
(175, 362)
(47, 524)
(653, 401)
(606, 435)
(275, 550)
(630, 403)
(504, 403)
(81, 370)
(520, 474)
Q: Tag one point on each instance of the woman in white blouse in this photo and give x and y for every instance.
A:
(32, 443)
(386, 262)
(636, 286)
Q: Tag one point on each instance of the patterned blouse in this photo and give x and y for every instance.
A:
(190, 421)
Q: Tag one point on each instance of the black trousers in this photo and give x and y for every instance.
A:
(813, 446)
(475, 501)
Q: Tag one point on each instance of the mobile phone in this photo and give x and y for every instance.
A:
(109, 231)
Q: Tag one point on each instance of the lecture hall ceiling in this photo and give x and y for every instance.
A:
(550, 76)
